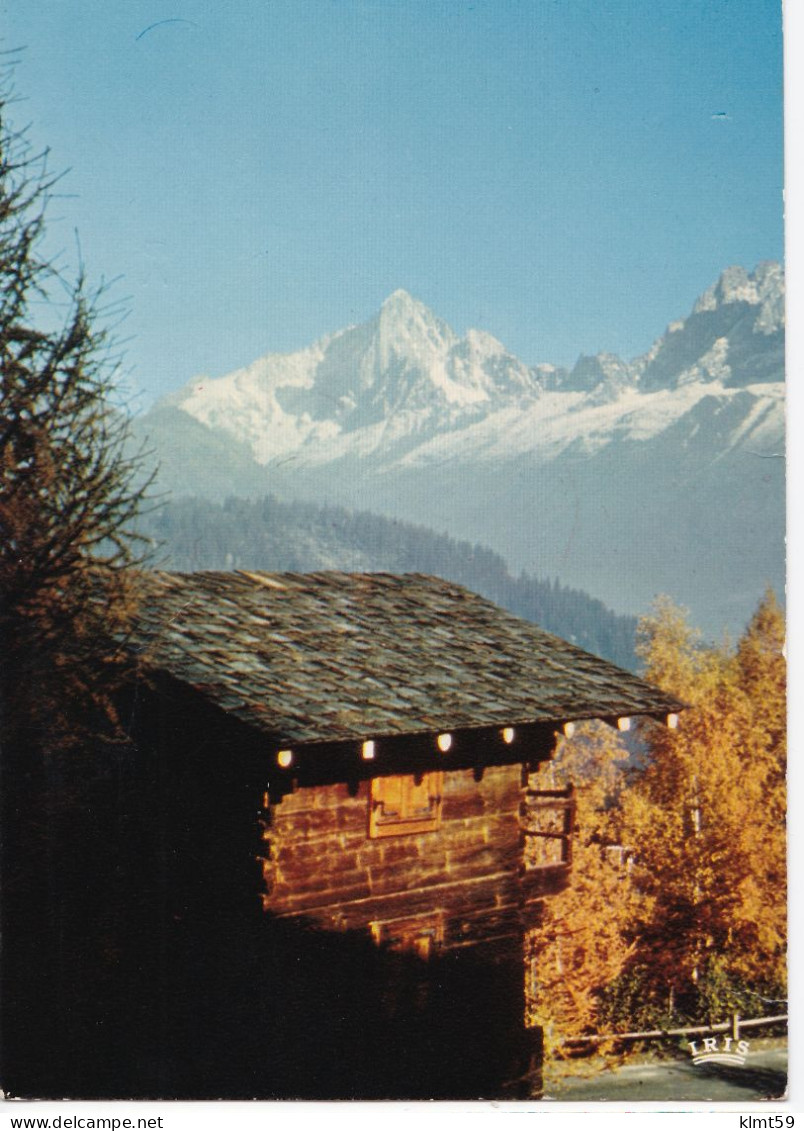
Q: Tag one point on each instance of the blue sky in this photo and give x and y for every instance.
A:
(566, 174)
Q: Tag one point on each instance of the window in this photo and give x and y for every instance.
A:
(405, 804)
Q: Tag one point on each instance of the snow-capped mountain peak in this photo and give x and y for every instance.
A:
(734, 334)
(405, 363)
(605, 373)
(401, 304)
(765, 285)
(407, 327)
(407, 344)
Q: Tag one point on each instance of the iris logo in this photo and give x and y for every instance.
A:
(730, 1052)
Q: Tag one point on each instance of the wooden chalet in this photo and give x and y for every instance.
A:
(330, 778)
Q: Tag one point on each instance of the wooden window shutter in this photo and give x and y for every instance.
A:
(405, 804)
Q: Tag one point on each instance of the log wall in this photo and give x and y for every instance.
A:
(463, 879)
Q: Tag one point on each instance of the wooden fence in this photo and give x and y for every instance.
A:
(735, 1026)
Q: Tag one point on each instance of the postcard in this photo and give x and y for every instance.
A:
(393, 567)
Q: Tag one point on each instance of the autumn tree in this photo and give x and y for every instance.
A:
(677, 904)
(581, 944)
(708, 815)
(69, 492)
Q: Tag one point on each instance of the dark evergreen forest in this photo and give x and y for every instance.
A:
(269, 534)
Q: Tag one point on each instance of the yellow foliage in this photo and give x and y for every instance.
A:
(708, 811)
(679, 862)
(577, 948)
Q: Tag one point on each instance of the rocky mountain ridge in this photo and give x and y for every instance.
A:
(627, 478)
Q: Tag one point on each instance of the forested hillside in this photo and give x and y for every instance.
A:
(273, 535)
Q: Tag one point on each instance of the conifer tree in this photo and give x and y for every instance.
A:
(69, 492)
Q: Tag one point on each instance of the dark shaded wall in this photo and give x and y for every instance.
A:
(448, 912)
(184, 986)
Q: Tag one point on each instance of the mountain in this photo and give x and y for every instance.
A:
(398, 379)
(664, 473)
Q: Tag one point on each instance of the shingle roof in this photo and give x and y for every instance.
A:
(334, 656)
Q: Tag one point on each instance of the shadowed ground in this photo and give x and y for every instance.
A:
(763, 1077)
